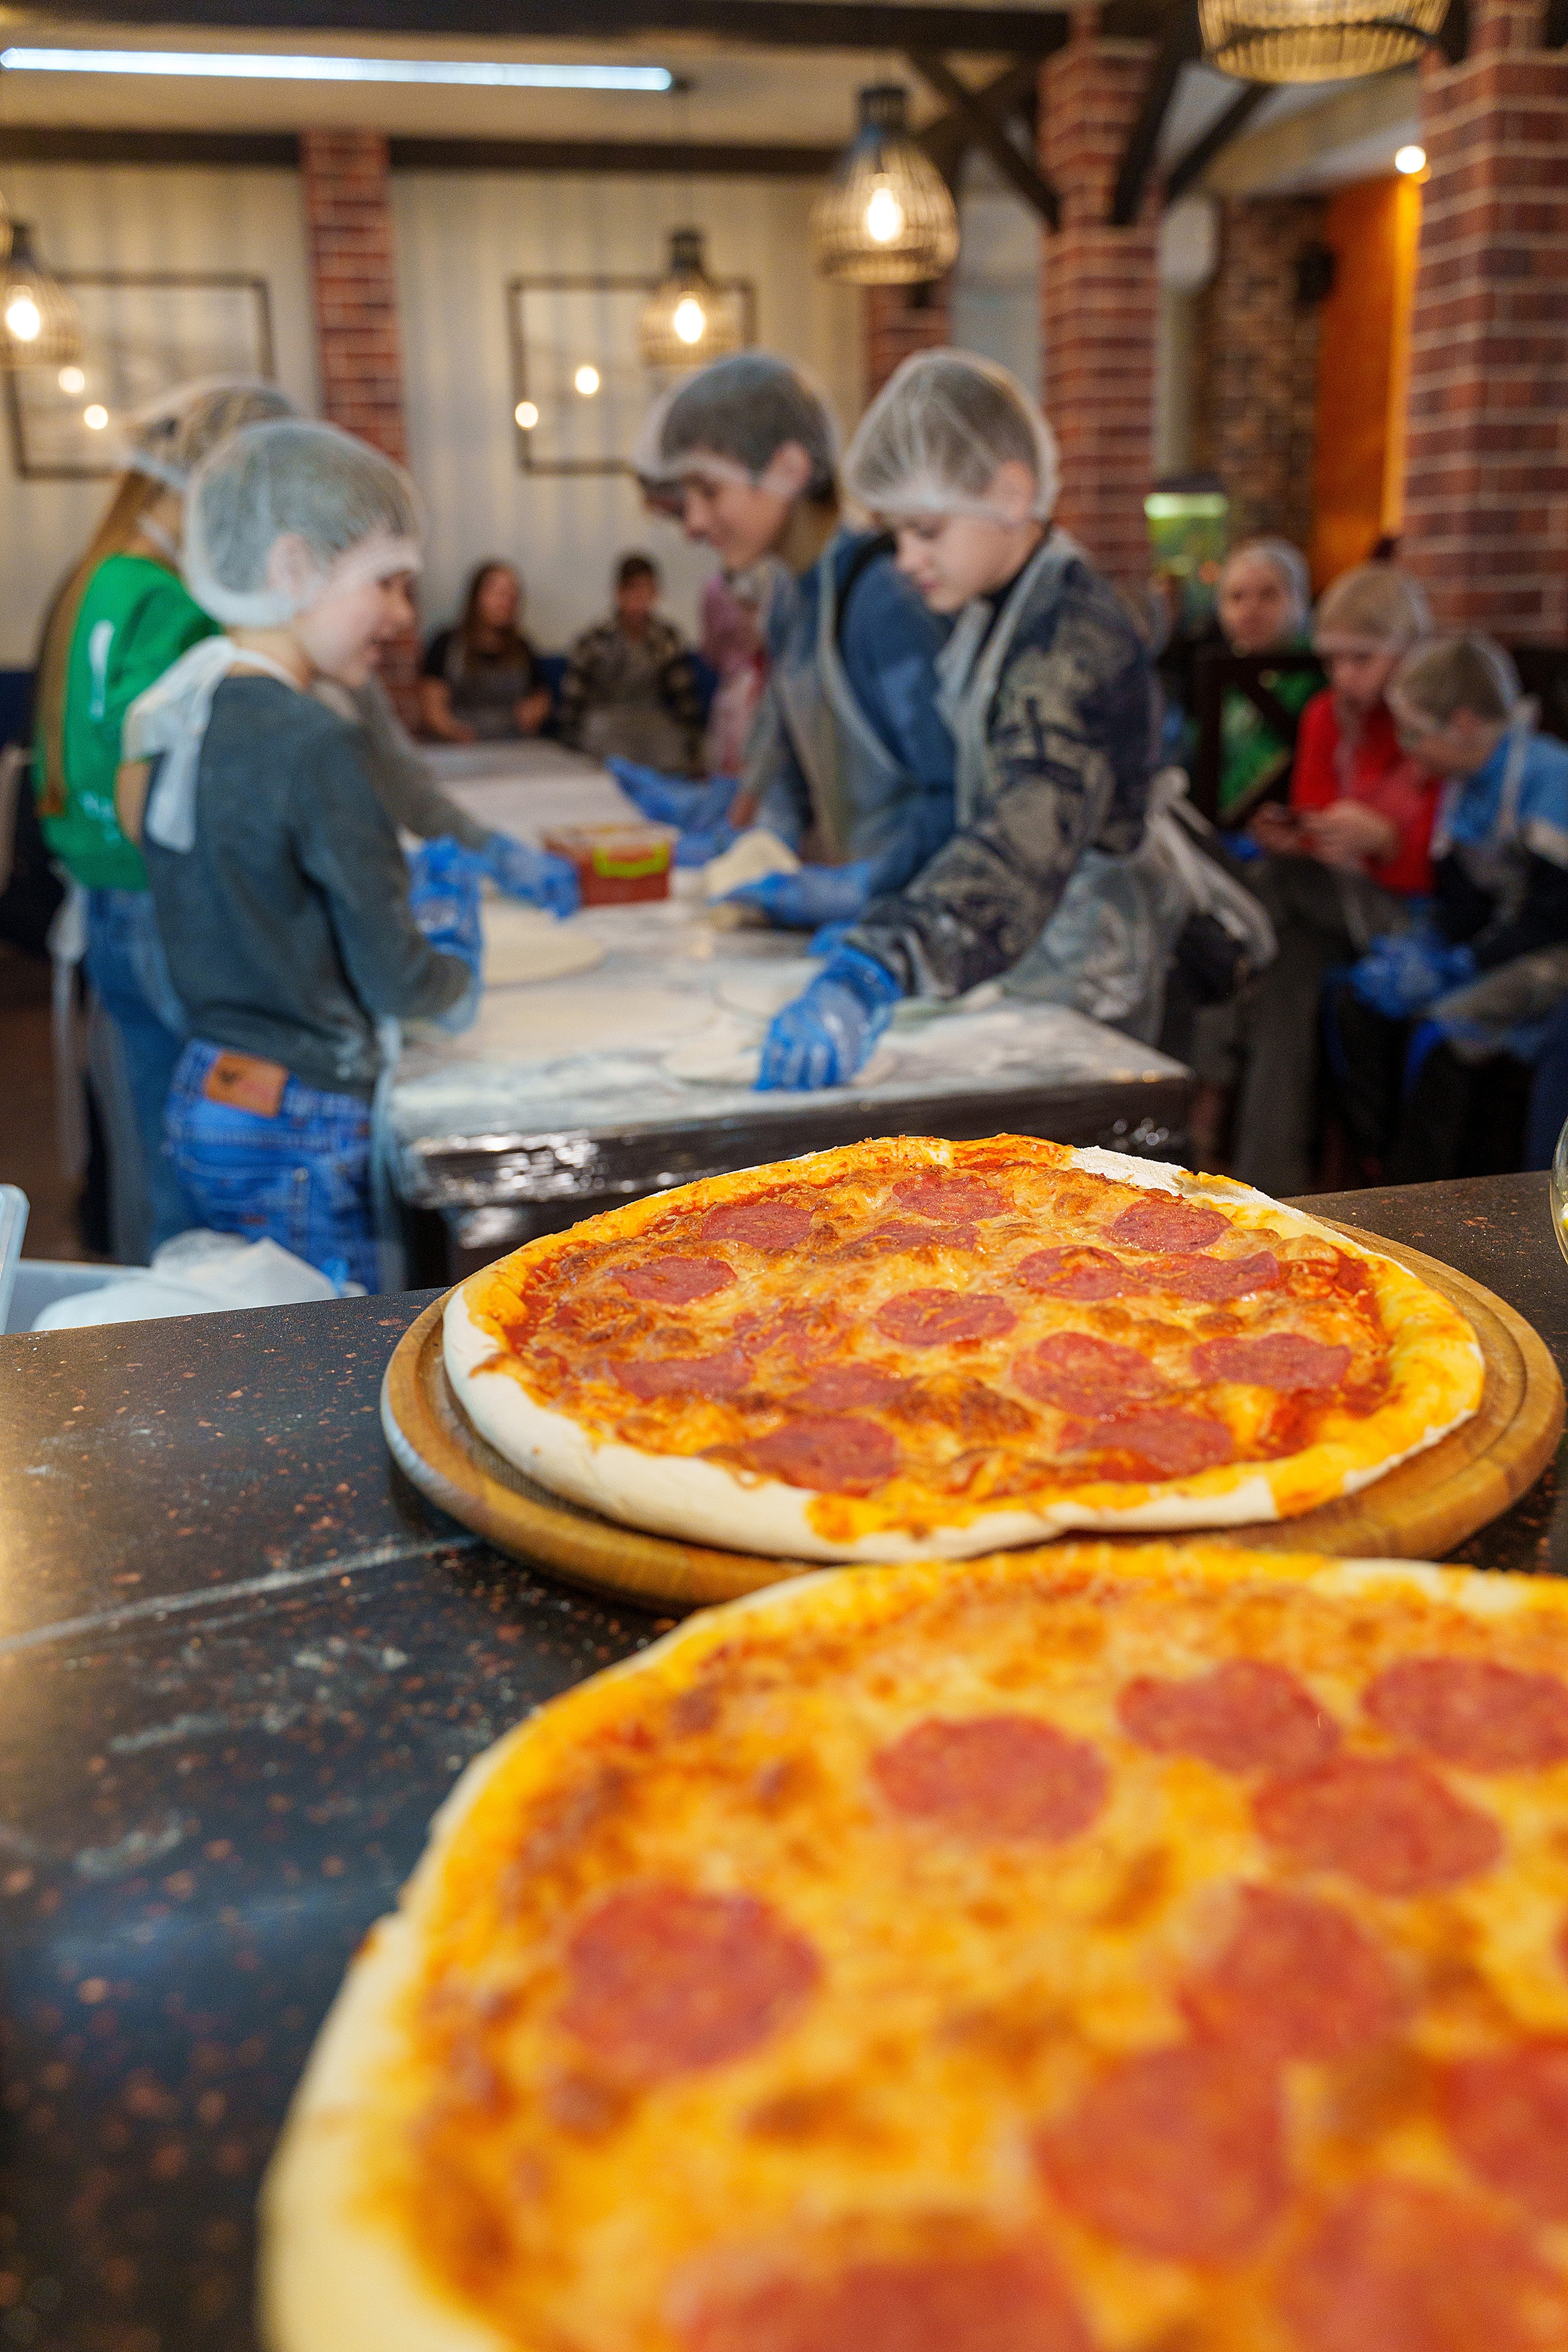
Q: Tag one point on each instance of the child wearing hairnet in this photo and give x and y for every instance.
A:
(282, 895)
(848, 764)
(123, 617)
(1046, 685)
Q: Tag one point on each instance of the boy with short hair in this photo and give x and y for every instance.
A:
(630, 691)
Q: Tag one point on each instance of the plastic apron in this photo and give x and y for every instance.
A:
(1507, 1009)
(969, 670)
(850, 774)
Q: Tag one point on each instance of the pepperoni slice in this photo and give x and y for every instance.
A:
(948, 1200)
(1508, 2116)
(1471, 1712)
(719, 1375)
(1080, 1273)
(1284, 1360)
(1385, 1821)
(1191, 1276)
(835, 1453)
(994, 1776)
(1400, 2267)
(958, 2302)
(1246, 1716)
(662, 1980)
(1167, 1443)
(1177, 2154)
(842, 1386)
(1085, 1375)
(1298, 1980)
(760, 1224)
(1164, 1223)
(938, 1318)
(672, 1281)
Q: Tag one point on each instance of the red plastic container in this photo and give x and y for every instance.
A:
(617, 863)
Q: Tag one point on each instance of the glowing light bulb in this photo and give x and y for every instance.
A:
(526, 415)
(884, 214)
(586, 381)
(73, 380)
(1410, 160)
(690, 320)
(95, 418)
(24, 320)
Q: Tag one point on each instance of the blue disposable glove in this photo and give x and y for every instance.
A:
(701, 847)
(445, 881)
(828, 941)
(828, 1033)
(531, 873)
(1401, 975)
(817, 894)
(674, 800)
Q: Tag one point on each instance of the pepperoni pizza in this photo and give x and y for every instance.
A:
(909, 1349)
(1105, 1949)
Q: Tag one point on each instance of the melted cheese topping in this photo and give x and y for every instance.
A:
(971, 1989)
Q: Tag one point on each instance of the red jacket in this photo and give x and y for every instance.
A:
(1374, 770)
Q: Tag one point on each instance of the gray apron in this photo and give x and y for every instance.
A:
(849, 769)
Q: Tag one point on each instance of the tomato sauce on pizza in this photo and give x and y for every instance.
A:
(917, 1336)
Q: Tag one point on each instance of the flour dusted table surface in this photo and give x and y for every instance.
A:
(240, 1664)
(571, 1095)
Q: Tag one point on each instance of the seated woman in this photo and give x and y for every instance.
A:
(1264, 598)
(630, 690)
(1345, 858)
(848, 764)
(1443, 1025)
(481, 681)
(1046, 684)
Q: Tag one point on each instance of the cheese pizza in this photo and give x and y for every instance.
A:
(909, 1348)
(1141, 1949)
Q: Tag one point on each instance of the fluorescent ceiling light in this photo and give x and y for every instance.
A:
(487, 73)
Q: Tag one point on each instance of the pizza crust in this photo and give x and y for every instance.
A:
(705, 1501)
(332, 2276)
(523, 945)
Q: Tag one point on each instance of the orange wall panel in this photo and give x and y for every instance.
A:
(1363, 319)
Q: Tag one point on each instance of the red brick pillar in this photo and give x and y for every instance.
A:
(901, 320)
(1100, 299)
(348, 220)
(1485, 485)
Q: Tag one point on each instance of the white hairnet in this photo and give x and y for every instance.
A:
(280, 515)
(733, 418)
(933, 438)
(1288, 566)
(168, 438)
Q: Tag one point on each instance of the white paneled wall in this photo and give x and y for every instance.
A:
(460, 238)
(997, 278)
(141, 219)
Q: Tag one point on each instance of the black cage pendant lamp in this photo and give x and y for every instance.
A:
(40, 326)
(1316, 40)
(886, 216)
(690, 320)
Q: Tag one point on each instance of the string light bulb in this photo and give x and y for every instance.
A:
(886, 216)
(689, 319)
(40, 326)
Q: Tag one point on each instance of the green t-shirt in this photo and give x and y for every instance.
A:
(1251, 754)
(135, 620)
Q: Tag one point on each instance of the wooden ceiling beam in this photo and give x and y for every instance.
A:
(1219, 134)
(1181, 45)
(988, 128)
(32, 142)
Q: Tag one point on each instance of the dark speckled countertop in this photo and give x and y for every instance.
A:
(240, 1664)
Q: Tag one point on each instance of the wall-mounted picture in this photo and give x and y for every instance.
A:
(580, 385)
(142, 332)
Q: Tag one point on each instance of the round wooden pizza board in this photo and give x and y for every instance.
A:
(1419, 1511)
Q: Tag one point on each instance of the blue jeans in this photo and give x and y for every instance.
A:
(131, 980)
(301, 1177)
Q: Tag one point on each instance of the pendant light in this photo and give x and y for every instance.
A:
(690, 320)
(38, 322)
(1316, 40)
(886, 216)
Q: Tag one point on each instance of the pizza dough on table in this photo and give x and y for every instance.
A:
(729, 1052)
(755, 855)
(908, 1349)
(524, 944)
(567, 1016)
(1096, 1950)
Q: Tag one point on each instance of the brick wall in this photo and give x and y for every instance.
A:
(1099, 303)
(1486, 497)
(901, 320)
(1258, 367)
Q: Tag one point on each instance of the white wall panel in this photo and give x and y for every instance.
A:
(176, 219)
(460, 238)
